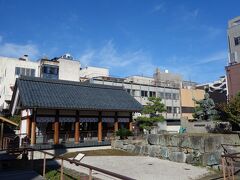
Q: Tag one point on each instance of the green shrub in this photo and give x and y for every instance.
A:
(124, 133)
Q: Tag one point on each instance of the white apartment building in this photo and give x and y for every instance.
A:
(64, 68)
(234, 40)
(10, 69)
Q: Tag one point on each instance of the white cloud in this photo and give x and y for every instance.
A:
(124, 63)
(218, 56)
(17, 50)
(199, 69)
(159, 7)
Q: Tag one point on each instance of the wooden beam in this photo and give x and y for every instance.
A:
(33, 128)
(115, 122)
(130, 122)
(77, 128)
(56, 128)
(100, 127)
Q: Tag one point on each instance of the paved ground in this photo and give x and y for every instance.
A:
(141, 167)
(20, 175)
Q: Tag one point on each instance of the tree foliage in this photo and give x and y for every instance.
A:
(151, 113)
(231, 111)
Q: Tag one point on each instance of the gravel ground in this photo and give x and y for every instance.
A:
(140, 167)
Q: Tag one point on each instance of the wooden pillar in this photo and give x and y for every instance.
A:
(33, 128)
(115, 122)
(77, 128)
(1, 135)
(28, 129)
(100, 127)
(56, 128)
(130, 122)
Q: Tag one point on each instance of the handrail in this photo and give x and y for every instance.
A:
(90, 167)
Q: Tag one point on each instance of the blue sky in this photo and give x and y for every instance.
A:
(131, 37)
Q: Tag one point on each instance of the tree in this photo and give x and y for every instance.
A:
(231, 111)
(205, 111)
(151, 114)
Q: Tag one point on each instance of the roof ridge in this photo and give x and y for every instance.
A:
(66, 82)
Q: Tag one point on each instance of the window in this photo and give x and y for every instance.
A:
(168, 96)
(33, 72)
(169, 109)
(152, 94)
(129, 91)
(17, 70)
(187, 109)
(24, 71)
(237, 40)
(28, 71)
(161, 95)
(133, 92)
(144, 93)
(175, 96)
(176, 110)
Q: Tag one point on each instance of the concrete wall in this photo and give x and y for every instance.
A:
(69, 70)
(198, 149)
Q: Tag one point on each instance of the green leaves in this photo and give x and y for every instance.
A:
(231, 111)
(151, 113)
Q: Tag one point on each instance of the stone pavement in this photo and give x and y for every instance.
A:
(140, 167)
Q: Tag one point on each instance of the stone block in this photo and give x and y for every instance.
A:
(212, 143)
(137, 149)
(146, 150)
(194, 158)
(230, 139)
(184, 141)
(154, 151)
(117, 144)
(210, 159)
(153, 139)
(164, 153)
(197, 142)
(177, 157)
(172, 140)
(130, 147)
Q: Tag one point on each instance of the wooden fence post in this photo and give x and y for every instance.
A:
(61, 177)
(44, 165)
(90, 174)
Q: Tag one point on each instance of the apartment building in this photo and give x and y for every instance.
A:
(63, 68)
(141, 88)
(233, 68)
(234, 40)
(10, 69)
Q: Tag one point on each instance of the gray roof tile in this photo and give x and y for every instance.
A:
(59, 94)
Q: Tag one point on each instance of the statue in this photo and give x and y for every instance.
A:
(205, 111)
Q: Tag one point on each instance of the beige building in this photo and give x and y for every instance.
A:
(187, 100)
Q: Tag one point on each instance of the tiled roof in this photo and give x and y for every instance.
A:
(59, 94)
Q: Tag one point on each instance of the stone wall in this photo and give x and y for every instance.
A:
(198, 149)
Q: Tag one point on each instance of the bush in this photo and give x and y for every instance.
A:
(124, 133)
